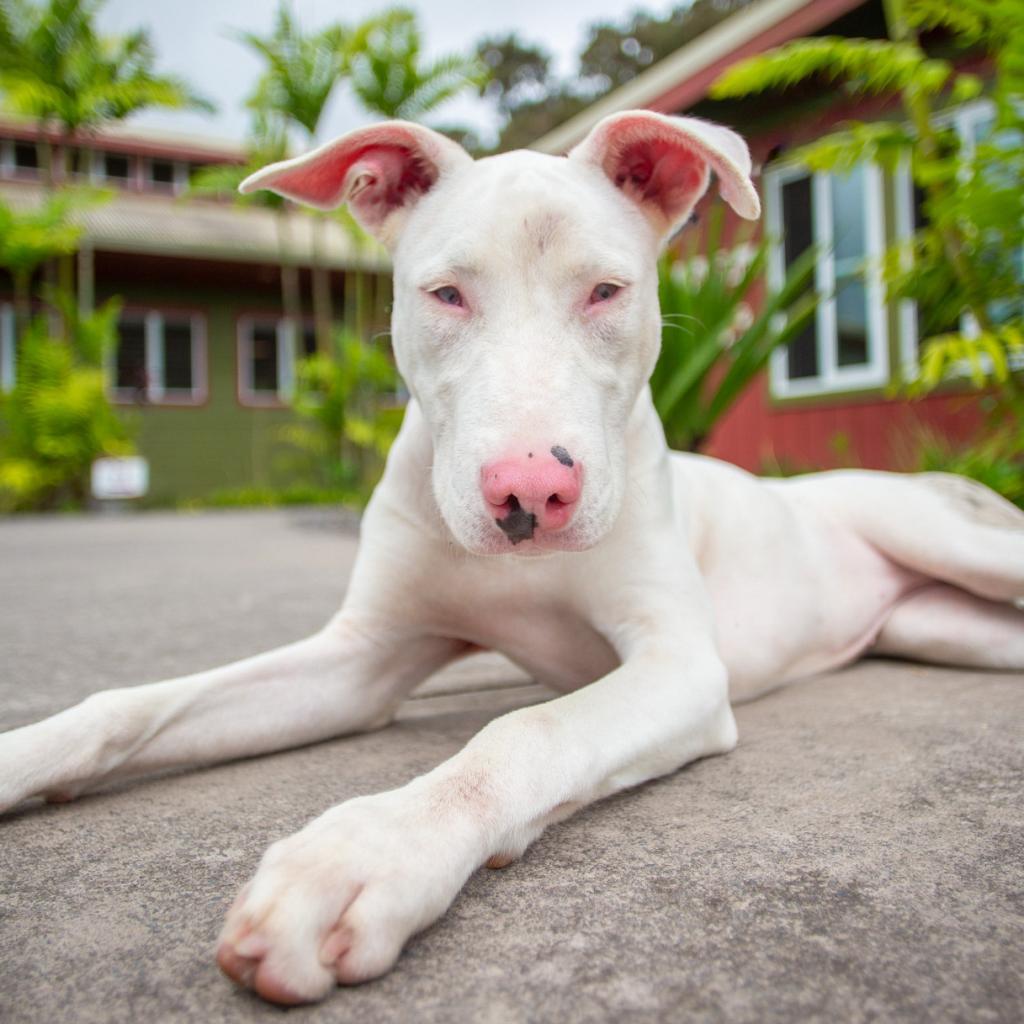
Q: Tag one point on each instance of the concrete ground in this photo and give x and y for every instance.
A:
(858, 858)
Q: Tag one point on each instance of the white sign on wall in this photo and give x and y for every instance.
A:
(126, 477)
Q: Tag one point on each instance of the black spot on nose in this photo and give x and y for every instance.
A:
(518, 524)
(562, 455)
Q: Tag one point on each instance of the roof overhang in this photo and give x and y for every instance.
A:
(684, 77)
(211, 229)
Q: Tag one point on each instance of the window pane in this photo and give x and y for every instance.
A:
(80, 162)
(161, 172)
(308, 341)
(8, 349)
(802, 353)
(26, 156)
(115, 165)
(851, 324)
(264, 358)
(920, 219)
(130, 368)
(797, 229)
(797, 226)
(848, 221)
(178, 374)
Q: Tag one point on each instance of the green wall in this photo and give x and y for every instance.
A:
(194, 451)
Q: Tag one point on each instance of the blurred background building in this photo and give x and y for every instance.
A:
(242, 347)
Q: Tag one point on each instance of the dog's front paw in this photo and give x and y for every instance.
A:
(337, 901)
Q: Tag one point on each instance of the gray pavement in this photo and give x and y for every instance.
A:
(857, 858)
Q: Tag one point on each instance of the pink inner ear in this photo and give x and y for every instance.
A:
(376, 169)
(666, 174)
(382, 178)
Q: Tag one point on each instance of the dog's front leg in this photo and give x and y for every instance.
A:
(347, 678)
(338, 900)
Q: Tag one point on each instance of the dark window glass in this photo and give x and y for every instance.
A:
(264, 358)
(79, 162)
(178, 373)
(798, 235)
(116, 165)
(851, 324)
(308, 341)
(26, 156)
(161, 172)
(130, 371)
(920, 220)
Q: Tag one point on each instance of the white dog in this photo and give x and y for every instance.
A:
(530, 506)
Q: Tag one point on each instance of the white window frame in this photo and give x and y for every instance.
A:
(157, 393)
(831, 377)
(247, 394)
(8, 347)
(903, 215)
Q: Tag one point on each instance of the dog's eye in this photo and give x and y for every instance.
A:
(603, 292)
(448, 295)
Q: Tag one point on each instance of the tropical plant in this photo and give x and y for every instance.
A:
(32, 235)
(56, 420)
(267, 144)
(301, 72)
(390, 75)
(350, 415)
(963, 264)
(712, 344)
(997, 460)
(57, 69)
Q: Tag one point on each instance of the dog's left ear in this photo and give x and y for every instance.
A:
(664, 164)
(381, 171)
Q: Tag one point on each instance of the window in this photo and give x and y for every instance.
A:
(8, 348)
(160, 358)
(267, 351)
(26, 157)
(846, 347)
(117, 167)
(18, 158)
(166, 175)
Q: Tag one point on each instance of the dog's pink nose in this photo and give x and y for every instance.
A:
(539, 489)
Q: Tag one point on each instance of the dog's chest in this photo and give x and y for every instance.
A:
(538, 631)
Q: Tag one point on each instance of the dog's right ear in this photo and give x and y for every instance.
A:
(380, 171)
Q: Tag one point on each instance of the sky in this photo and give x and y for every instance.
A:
(192, 39)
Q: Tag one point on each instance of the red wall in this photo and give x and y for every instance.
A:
(880, 434)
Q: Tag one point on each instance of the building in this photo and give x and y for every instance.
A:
(204, 364)
(830, 398)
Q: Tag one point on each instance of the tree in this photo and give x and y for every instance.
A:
(617, 52)
(302, 70)
(390, 76)
(532, 100)
(267, 144)
(31, 237)
(518, 72)
(57, 418)
(56, 69)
